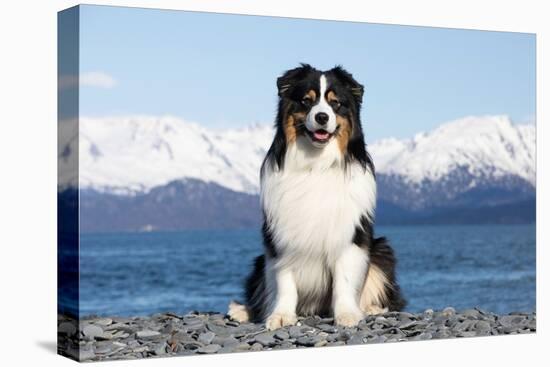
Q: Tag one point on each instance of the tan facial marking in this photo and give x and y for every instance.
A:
(311, 95)
(290, 126)
(331, 96)
(344, 132)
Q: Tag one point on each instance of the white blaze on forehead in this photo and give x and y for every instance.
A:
(323, 85)
(321, 106)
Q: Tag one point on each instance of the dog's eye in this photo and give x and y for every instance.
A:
(335, 104)
(306, 101)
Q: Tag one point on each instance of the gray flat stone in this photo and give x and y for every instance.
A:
(482, 325)
(449, 311)
(321, 343)
(209, 349)
(104, 349)
(229, 342)
(330, 328)
(377, 339)
(91, 331)
(160, 349)
(147, 334)
(296, 331)
(67, 328)
(466, 334)
(103, 322)
(357, 338)
(309, 341)
(310, 321)
(282, 335)
(207, 337)
(407, 323)
(256, 347)
(423, 336)
(511, 320)
(337, 343)
(182, 336)
(86, 355)
(242, 346)
(266, 339)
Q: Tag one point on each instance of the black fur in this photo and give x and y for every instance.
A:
(255, 287)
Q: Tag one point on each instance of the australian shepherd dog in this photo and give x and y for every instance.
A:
(318, 196)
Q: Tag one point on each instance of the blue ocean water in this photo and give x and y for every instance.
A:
(491, 267)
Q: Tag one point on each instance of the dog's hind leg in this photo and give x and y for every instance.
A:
(381, 293)
(374, 295)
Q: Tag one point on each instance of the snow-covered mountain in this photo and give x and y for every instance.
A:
(132, 166)
(133, 154)
(485, 146)
(471, 161)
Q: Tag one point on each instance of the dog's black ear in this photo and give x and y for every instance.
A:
(347, 79)
(291, 77)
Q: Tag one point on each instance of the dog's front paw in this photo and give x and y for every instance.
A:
(278, 320)
(348, 318)
(238, 312)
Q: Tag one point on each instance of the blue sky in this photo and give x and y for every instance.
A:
(220, 70)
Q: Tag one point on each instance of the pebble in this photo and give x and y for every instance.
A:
(321, 343)
(103, 322)
(86, 354)
(330, 328)
(229, 342)
(147, 334)
(358, 338)
(209, 349)
(91, 331)
(483, 325)
(311, 321)
(206, 338)
(510, 320)
(466, 334)
(110, 338)
(309, 341)
(160, 349)
(295, 331)
(423, 336)
(266, 339)
(67, 328)
(256, 347)
(449, 311)
(242, 346)
(282, 335)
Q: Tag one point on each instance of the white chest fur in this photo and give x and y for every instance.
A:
(314, 205)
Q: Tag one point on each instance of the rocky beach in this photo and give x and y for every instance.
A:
(169, 334)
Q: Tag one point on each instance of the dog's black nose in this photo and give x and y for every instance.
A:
(321, 118)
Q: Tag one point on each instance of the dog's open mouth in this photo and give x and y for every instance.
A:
(320, 136)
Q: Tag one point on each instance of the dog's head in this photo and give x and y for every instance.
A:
(320, 106)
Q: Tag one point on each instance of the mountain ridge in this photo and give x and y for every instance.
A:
(476, 161)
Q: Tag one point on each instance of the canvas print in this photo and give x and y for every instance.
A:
(231, 183)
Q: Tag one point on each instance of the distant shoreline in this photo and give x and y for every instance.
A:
(169, 334)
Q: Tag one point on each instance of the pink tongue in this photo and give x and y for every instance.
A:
(321, 135)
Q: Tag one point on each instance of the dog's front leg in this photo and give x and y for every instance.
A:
(349, 275)
(285, 298)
